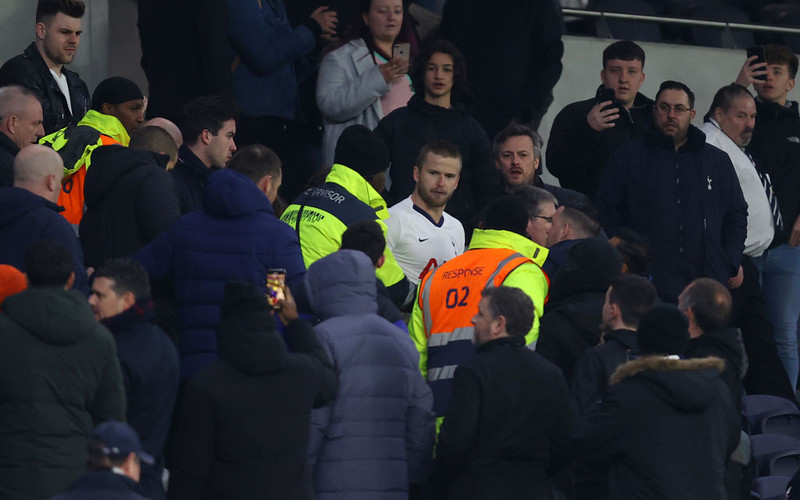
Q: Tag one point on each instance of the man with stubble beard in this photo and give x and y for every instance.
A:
(64, 96)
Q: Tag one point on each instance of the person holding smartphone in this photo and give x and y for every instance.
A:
(585, 133)
(365, 77)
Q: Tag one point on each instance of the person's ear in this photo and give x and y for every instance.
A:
(129, 299)
(70, 281)
(205, 136)
(381, 261)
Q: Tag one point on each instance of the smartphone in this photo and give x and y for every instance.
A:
(401, 50)
(605, 94)
(276, 286)
(757, 50)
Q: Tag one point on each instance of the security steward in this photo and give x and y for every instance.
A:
(350, 194)
(499, 254)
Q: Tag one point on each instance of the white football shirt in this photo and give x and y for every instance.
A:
(418, 243)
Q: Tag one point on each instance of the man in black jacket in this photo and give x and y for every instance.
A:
(508, 421)
(121, 301)
(585, 133)
(208, 129)
(244, 422)
(438, 111)
(627, 299)
(59, 377)
(129, 196)
(20, 126)
(64, 96)
(679, 192)
(667, 426)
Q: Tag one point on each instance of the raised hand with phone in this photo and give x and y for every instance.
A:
(398, 64)
(754, 69)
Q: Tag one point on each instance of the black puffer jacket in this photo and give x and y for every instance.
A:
(243, 425)
(59, 378)
(726, 344)
(29, 70)
(598, 364)
(129, 201)
(666, 429)
(189, 178)
(406, 130)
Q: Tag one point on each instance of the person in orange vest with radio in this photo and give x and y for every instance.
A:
(118, 107)
(499, 254)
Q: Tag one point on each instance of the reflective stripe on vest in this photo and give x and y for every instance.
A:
(448, 300)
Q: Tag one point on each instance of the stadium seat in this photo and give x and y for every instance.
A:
(633, 30)
(783, 422)
(756, 405)
(775, 455)
(770, 487)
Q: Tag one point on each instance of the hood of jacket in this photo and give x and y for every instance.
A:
(229, 194)
(54, 315)
(342, 283)
(591, 265)
(17, 202)
(358, 186)
(684, 384)
(112, 163)
(247, 335)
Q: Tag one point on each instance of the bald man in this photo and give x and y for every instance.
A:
(167, 125)
(28, 211)
(20, 126)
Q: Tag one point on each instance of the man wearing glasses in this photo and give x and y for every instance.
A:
(681, 193)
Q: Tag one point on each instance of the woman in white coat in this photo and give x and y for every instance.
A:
(360, 82)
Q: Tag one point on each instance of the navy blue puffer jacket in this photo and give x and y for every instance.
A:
(235, 237)
(377, 435)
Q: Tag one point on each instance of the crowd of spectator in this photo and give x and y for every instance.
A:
(444, 323)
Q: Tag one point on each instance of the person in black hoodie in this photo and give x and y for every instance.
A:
(129, 196)
(244, 422)
(438, 111)
(121, 301)
(667, 425)
(572, 316)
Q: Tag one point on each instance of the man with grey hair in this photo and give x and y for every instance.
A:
(541, 206)
(28, 211)
(20, 126)
(518, 157)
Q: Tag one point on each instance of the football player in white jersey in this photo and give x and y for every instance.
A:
(421, 234)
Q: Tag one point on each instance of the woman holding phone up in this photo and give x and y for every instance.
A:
(365, 78)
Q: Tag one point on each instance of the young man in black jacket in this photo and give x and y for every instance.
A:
(64, 96)
(121, 302)
(507, 425)
(585, 133)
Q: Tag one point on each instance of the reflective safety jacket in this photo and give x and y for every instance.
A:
(320, 215)
(448, 297)
(75, 144)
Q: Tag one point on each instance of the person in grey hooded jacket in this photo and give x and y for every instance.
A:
(376, 437)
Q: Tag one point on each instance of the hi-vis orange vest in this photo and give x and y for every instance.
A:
(449, 299)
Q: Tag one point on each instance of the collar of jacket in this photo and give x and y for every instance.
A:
(358, 186)
(641, 101)
(625, 337)
(107, 125)
(141, 311)
(511, 340)
(695, 140)
(773, 108)
(8, 144)
(662, 364)
(492, 238)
